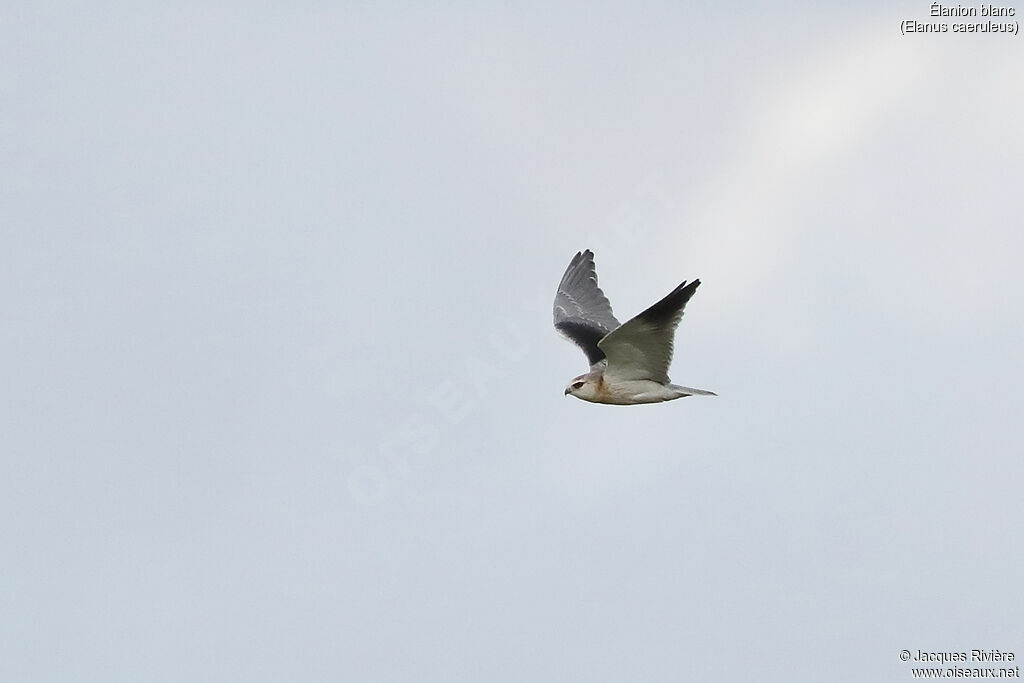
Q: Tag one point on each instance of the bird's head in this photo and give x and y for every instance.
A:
(583, 387)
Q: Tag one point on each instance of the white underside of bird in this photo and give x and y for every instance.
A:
(629, 362)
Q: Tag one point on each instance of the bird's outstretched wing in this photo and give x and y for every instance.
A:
(642, 347)
(582, 312)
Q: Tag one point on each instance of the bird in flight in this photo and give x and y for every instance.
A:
(628, 363)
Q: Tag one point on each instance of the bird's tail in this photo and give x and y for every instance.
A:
(689, 391)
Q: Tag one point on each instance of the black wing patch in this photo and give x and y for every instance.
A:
(669, 310)
(585, 336)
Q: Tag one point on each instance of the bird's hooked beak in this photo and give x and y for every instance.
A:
(567, 392)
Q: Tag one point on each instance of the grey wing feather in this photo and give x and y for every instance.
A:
(581, 311)
(642, 347)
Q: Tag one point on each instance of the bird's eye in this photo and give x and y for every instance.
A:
(577, 385)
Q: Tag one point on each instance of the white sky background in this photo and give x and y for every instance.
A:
(281, 399)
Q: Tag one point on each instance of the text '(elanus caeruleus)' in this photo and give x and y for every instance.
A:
(628, 363)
